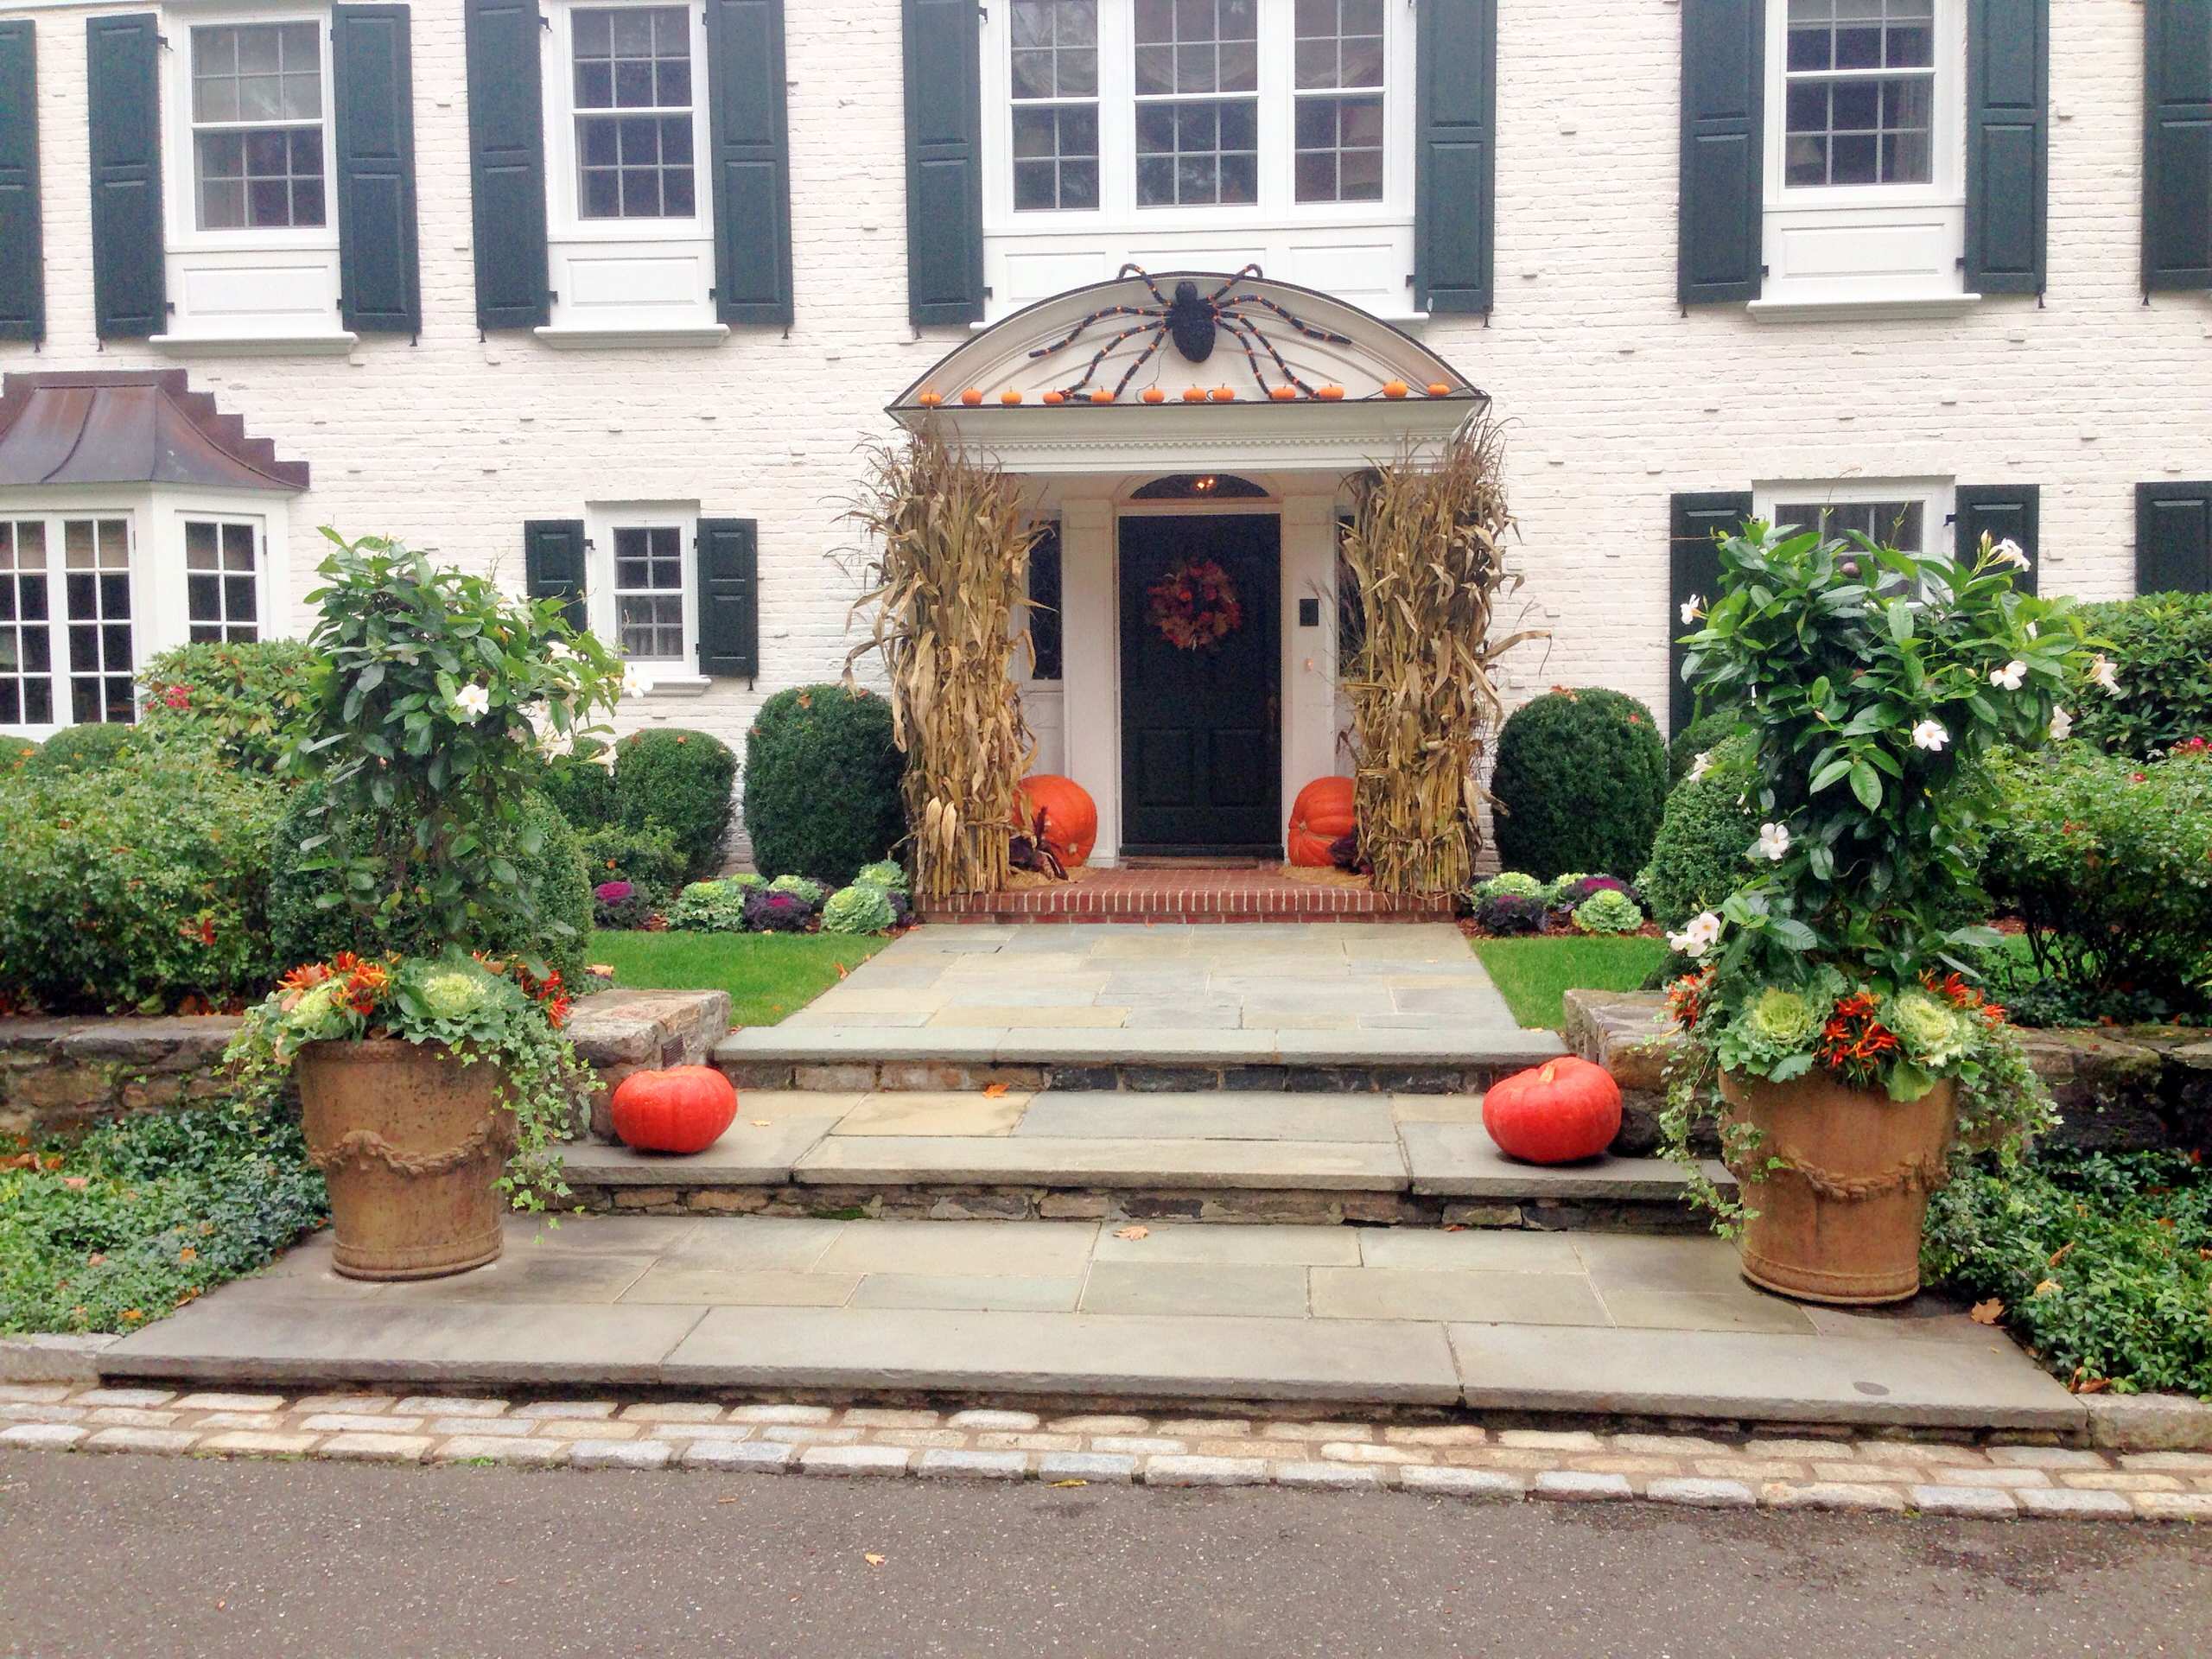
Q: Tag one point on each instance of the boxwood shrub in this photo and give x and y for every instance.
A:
(1581, 780)
(15, 754)
(679, 781)
(302, 929)
(1698, 856)
(584, 794)
(822, 778)
(85, 748)
(138, 886)
(2162, 644)
(1698, 737)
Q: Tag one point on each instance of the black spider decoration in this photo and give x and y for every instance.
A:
(1194, 320)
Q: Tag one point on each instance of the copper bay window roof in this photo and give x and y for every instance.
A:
(130, 426)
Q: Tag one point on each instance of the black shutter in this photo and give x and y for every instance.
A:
(1455, 160)
(23, 279)
(1693, 569)
(750, 149)
(1045, 602)
(379, 282)
(2004, 513)
(2173, 538)
(944, 162)
(123, 106)
(729, 598)
(553, 564)
(507, 165)
(2008, 71)
(1721, 255)
(2178, 144)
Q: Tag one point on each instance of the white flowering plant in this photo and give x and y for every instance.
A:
(435, 704)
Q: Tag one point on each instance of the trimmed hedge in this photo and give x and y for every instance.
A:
(821, 776)
(84, 748)
(2163, 646)
(1704, 732)
(584, 792)
(1698, 856)
(679, 781)
(137, 885)
(301, 929)
(1580, 782)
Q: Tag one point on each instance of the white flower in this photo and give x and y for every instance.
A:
(471, 701)
(2008, 677)
(1699, 766)
(635, 684)
(2008, 551)
(1929, 735)
(1693, 607)
(1773, 841)
(2105, 672)
(559, 650)
(2034, 632)
(2062, 725)
(1699, 936)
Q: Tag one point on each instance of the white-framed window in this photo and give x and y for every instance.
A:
(1199, 134)
(1866, 151)
(222, 579)
(26, 689)
(97, 617)
(638, 583)
(630, 209)
(1912, 515)
(252, 233)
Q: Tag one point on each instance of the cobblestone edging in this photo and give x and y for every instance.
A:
(1810, 1469)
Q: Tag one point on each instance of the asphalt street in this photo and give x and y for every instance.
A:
(124, 1555)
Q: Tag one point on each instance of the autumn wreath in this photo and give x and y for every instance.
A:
(1195, 605)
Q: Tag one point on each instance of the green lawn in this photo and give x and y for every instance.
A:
(766, 975)
(1531, 973)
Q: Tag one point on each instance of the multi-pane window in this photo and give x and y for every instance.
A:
(1338, 75)
(1860, 82)
(26, 639)
(96, 583)
(649, 592)
(1901, 525)
(1055, 80)
(257, 125)
(633, 104)
(1197, 111)
(221, 574)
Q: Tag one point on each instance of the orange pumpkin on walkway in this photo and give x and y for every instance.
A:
(681, 1109)
(1320, 816)
(1560, 1112)
(1071, 816)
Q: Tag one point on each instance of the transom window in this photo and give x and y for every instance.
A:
(633, 105)
(1195, 144)
(26, 639)
(1339, 122)
(1899, 523)
(1055, 70)
(222, 568)
(1860, 82)
(649, 592)
(96, 583)
(257, 125)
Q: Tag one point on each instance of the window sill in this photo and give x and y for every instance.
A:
(1926, 305)
(590, 339)
(676, 685)
(331, 345)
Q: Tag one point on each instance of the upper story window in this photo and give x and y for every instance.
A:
(1196, 142)
(1339, 74)
(1859, 77)
(634, 113)
(257, 125)
(1055, 82)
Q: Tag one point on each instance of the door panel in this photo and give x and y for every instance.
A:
(1201, 736)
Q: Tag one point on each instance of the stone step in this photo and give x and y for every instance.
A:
(1408, 1160)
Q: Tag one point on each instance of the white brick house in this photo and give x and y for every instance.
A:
(1916, 258)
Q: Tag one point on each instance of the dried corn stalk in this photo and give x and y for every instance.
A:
(1425, 565)
(949, 571)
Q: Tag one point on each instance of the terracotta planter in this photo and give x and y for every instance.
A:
(410, 1142)
(1842, 1222)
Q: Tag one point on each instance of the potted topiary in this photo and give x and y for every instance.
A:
(1832, 1032)
(428, 708)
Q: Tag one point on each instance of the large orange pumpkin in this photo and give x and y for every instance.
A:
(1071, 816)
(1562, 1112)
(1319, 817)
(681, 1109)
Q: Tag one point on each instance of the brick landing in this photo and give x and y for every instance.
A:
(1196, 892)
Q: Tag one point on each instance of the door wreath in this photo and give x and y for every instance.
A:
(1195, 605)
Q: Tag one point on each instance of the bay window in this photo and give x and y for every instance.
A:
(222, 570)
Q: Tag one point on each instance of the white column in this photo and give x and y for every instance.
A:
(1309, 572)
(1089, 652)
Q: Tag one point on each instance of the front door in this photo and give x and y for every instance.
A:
(1201, 722)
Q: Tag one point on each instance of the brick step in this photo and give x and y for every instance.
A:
(1326, 1158)
(1187, 893)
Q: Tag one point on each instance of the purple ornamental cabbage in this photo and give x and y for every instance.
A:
(768, 911)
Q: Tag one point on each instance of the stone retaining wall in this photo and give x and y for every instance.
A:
(60, 1076)
(2120, 1089)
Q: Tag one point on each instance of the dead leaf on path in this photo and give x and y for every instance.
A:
(1986, 1312)
(725, 1500)
(842, 972)
(994, 1091)
(1134, 1233)
(873, 1560)
(1071, 1483)
(2093, 1385)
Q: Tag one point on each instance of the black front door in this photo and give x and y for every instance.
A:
(1201, 732)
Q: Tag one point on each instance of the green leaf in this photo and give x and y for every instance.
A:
(1900, 620)
(1866, 784)
(1829, 773)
